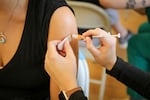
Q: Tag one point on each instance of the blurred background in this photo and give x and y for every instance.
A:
(96, 84)
(115, 90)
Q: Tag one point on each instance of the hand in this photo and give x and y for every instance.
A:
(62, 69)
(105, 55)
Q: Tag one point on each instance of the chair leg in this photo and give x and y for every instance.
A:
(102, 89)
(102, 83)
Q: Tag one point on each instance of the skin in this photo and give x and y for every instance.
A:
(68, 67)
(122, 4)
(12, 19)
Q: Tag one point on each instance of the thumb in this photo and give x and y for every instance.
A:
(52, 47)
(68, 49)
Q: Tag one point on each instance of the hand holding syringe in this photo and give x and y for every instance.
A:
(81, 37)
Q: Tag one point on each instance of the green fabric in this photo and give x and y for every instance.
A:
(139, 53)
(144, 28)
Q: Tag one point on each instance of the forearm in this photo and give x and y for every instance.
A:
(125, 4)
(54, 90)
(132, 77)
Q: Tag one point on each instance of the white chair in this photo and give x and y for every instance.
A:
(91, 16)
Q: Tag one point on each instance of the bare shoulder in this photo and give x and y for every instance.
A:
(62, 23)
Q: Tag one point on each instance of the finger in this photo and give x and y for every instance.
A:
(107, 41)
(68, 49)
(94, 51)
(92, 32)
(52, 50)
(89, 33)
(52, 44)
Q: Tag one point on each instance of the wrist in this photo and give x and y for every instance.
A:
(111, 64)
(70, 92)
(69, 85)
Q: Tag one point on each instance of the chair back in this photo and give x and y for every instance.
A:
(89, 15)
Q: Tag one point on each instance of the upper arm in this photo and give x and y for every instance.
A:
(62, 24)
(113, 3)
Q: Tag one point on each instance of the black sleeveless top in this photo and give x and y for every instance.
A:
(24, 76)
(96, 2)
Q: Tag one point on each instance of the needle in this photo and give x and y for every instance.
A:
(81, 37)
(114, 35)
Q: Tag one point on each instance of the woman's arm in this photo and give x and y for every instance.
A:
(116, 67)
(66, 67)
(62, 24)
(125, 4)
(132, 77)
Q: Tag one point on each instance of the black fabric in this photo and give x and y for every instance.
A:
(96, 2)
(82, 30)
(78, 95)
(24, 77)
(148, 13)
(132, 77)
(61, 96)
